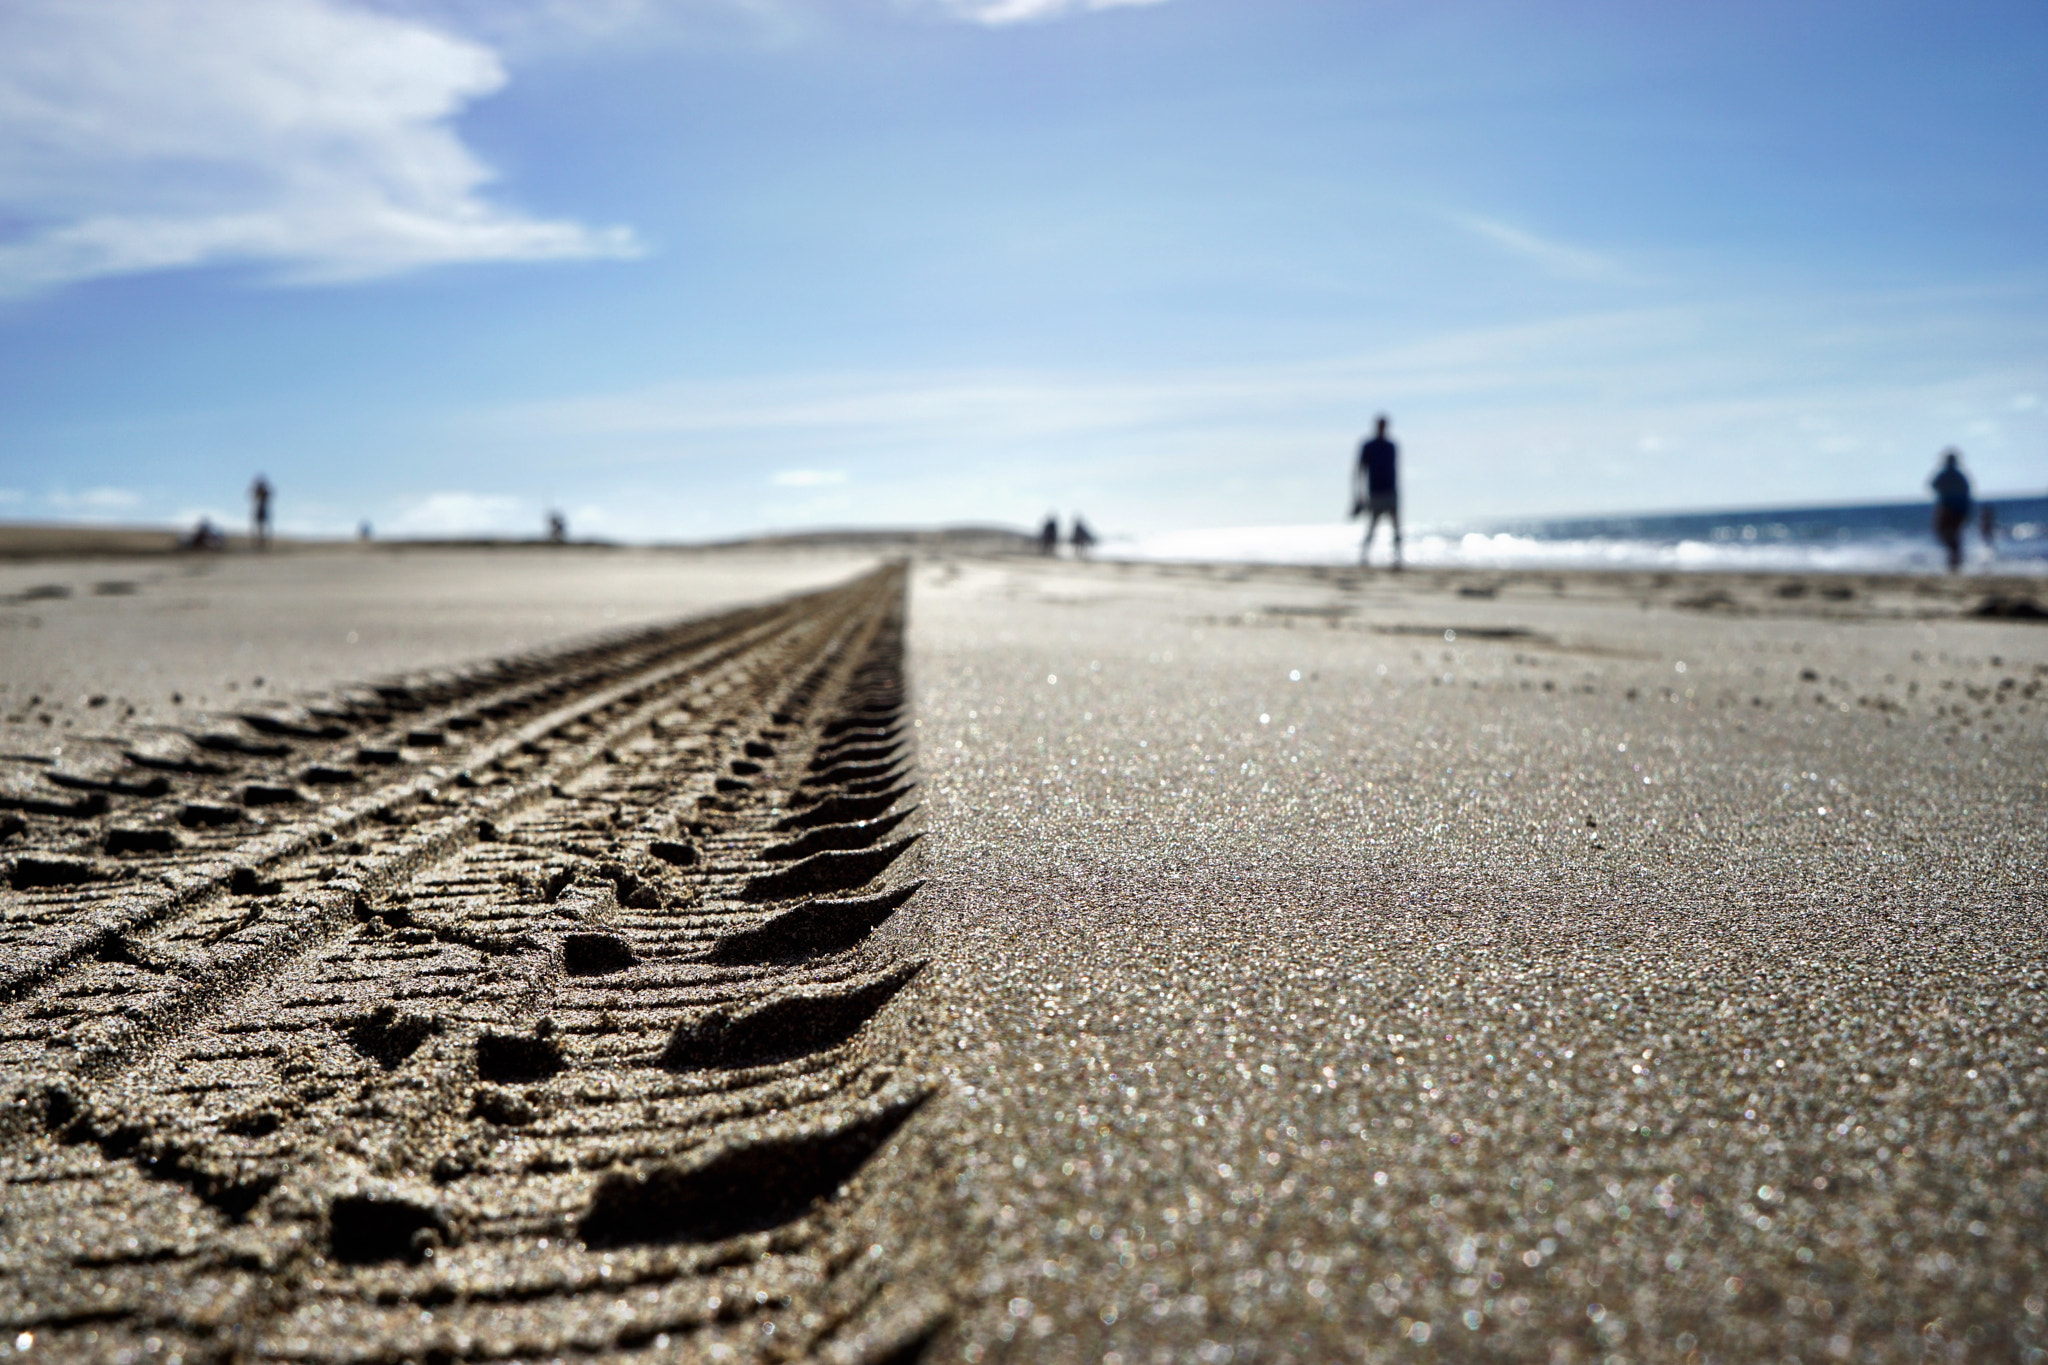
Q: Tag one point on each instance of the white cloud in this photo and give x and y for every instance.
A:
(1554, 257)
(12, 495)
(1642, 408)
(527, 23)
(522, 28)
(153, 134)
(536, 28)
(462, 513)
(94, 500)
(809, 478)
(996, 12)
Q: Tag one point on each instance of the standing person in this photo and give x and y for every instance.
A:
(1373, 490)
(1049, 536)
(1951, 506)
(1082, 538)
(259, 513)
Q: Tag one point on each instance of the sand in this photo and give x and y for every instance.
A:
(1330, 966)
(1328, 988)
(178, 638)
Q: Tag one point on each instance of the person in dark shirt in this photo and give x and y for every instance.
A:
(1373, 490)
(1951, 507)
(1049, 536)
(259, 513)
(1082, 539)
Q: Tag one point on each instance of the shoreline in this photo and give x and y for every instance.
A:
(27, 543)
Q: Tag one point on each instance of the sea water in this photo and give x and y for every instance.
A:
(1871, 538)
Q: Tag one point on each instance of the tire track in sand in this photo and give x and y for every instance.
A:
(576, 1042)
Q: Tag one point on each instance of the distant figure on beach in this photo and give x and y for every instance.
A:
(558, 528)
(1049, 536)
(1374, 493)
(259, 513)
(203, 537)
(1951, 506)
(1082, 539)
(365, 532)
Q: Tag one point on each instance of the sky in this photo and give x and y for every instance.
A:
(688, 269)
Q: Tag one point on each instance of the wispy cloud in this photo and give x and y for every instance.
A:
(997, 12)
(465, 513)
(1632, 408)
(92, 504)
(315, 137)
(809, 478)
(94, 500)
(1556, 258)
(311, 135)
(522, 29)
(1538, 361)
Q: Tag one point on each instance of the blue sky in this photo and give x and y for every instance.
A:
(690, 268)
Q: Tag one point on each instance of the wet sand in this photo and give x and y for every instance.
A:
(1332, 966)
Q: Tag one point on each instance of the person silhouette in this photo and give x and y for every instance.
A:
(1374, 492)
(1082, 538)
(1049, 536)
(558, 528)
(259, 513)
(1951, 506)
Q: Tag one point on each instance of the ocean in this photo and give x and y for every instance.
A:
(1867, 538)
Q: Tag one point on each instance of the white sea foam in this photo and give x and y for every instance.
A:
(2024, 550)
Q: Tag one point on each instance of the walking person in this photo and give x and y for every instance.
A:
(1374, 492)
(1951, 506)
(1082, 539)
(259, 513)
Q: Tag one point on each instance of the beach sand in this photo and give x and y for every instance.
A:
(1321, 965)
(1320, 986)
(179, 636)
